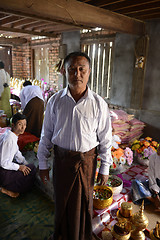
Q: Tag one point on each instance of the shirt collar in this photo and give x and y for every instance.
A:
(65, 90)
(88, 93)
(14, 135)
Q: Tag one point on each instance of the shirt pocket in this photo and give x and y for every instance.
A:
(88, 124)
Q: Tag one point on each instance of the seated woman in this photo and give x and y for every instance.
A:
(149, 190)
(16, 175)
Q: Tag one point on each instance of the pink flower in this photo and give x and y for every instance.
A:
(146, 152)
(128, 152)
(150, 151)
(129, 160)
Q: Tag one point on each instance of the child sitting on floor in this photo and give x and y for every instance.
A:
(15, 177)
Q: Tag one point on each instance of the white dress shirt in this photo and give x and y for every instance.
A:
(29, 92)
(4, 78)
(9, 150)
(154, 171)
(77, 126)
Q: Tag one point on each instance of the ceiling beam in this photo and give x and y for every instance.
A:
(125, 4)
(12, 41)
(60, 28)
(24, 22)
(9, 20)
(35, 24)
(14, 35)
(141, 8)
(74, 13)
(102, 3)
(6, 29)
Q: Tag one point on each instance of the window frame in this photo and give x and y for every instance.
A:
(102, 87)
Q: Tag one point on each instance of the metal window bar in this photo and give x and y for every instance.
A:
(101, 66)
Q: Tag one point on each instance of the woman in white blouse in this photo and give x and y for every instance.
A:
(16, 175)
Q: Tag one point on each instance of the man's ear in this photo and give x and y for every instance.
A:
(63, 71)
(12, 125)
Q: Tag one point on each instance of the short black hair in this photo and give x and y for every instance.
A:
(1, 64)
(76, 54)
(18, 116)
(26, 83)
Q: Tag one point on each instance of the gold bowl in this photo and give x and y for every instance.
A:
(103, 203)
(118, 236)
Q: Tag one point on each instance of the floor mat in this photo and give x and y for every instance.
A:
(28, 217)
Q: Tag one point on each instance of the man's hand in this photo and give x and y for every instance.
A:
(26, 170)
(44, 175)
(102, 179)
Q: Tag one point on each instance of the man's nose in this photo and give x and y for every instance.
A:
(77, 72)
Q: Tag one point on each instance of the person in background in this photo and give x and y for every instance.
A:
(77, 123)
(149, 190)
(32, 103)
(16, 175)
(5, 94)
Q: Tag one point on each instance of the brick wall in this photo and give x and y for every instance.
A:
(53, 59)
(22, 58)
(21, 61)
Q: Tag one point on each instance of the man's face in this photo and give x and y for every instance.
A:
(19, 127)
(77, 72)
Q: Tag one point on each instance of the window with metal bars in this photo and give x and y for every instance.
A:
(101, 66)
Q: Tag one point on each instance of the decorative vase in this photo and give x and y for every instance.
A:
(155, 233)
(140, 222)
(144, 162)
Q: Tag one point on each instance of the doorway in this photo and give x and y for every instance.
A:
(6, 58)
(41, 63)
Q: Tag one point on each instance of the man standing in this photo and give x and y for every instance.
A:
(32, 103)
(77, 123)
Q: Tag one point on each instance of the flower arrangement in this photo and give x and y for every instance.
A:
(143, 148)
(121, 156)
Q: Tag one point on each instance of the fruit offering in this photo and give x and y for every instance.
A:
(101, 194)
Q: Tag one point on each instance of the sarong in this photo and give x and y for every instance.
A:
(73, 180)
(15, 181)
(34, 111)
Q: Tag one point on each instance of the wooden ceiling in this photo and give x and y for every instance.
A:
(137, 9)
(26, 18)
